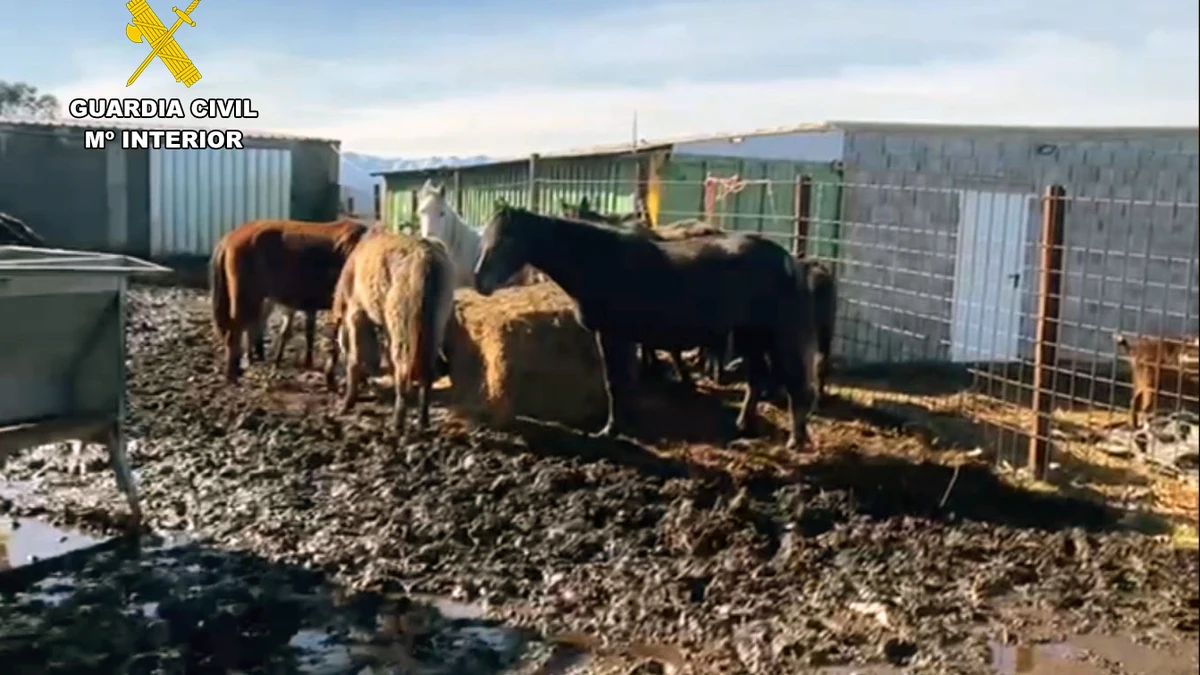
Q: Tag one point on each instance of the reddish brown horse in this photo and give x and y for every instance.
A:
(292, 263)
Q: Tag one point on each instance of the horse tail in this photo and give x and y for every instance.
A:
(435, 270)
(219, 288)
(824, 300)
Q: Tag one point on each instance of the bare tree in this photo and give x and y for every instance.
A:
(22, 101)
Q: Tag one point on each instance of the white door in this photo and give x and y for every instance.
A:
(988, 276)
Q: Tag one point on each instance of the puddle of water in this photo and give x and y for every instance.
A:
(1067, 658)
(861, 670)
(452, 609)
(1042, 659)
(53, 590)
(24, 541)
(318, 656)
(13, 489)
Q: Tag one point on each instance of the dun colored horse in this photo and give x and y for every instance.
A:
(630, 289)
(295, 264)
(404, 285)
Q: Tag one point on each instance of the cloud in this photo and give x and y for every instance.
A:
(689, 68)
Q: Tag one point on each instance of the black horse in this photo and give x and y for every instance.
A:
(629, 289)
(638, 223)
(823, 291)
(583, 211)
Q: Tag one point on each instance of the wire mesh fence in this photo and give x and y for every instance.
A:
(1031, 323)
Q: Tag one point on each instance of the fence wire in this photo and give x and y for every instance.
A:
(1014, 320)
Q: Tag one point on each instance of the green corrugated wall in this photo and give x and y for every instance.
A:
(483, 186)
(480, 188)
(768, 209)
(609, 183)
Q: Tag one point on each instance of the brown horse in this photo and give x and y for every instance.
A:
(293, 263)
(1163, 368)
(404, 285)
(629, 289)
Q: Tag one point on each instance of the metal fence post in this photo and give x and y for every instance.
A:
(800, 209)
(1046, 344)
(458, 193)
(533, 197)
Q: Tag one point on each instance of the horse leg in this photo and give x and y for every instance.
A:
(820, 376)
(426, 395)
(791, 360)
(233, 353)
(681, 369)
(618, 357)
(355, 325)
(310, 336)
(336, 344)
(721, 354)
(257, 333)
(755, 370)
(403, 385)
(647, 362)
(256, 350)
(285, 334)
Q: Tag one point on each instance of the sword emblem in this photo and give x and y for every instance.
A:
(147, 27)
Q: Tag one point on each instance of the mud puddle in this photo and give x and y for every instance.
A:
(1096, 655)
(166, 606)
(25, 541)
(860, 559)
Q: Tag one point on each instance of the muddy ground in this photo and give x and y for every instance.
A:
(858, 559)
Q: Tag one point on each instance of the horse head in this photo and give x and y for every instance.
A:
(581, 211)
(502, 250)
(432, 210)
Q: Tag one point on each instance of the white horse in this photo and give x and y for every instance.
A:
(440, 221)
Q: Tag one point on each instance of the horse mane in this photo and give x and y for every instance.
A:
(353, 233)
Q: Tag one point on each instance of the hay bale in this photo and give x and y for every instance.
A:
(521, 352)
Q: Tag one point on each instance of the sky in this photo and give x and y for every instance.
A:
(467, 77)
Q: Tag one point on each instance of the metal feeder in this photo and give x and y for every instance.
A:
(62, 351)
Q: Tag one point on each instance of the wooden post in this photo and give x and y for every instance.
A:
(1046, 344)
(413, 203)
(642, 171)
(800, 209)
(377, 198)
(456, 179)
(385, 206)
(532, 195)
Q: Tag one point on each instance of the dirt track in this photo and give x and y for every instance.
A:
(853, 564)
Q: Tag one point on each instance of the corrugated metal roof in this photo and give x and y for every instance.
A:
(116, 126)
(1061, 133)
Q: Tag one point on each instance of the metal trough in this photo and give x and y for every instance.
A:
(62, 351)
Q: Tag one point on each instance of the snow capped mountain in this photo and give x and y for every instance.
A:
(356, 168)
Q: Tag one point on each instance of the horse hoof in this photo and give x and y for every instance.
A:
(794, 445)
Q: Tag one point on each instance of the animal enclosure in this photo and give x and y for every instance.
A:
(998, 307)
